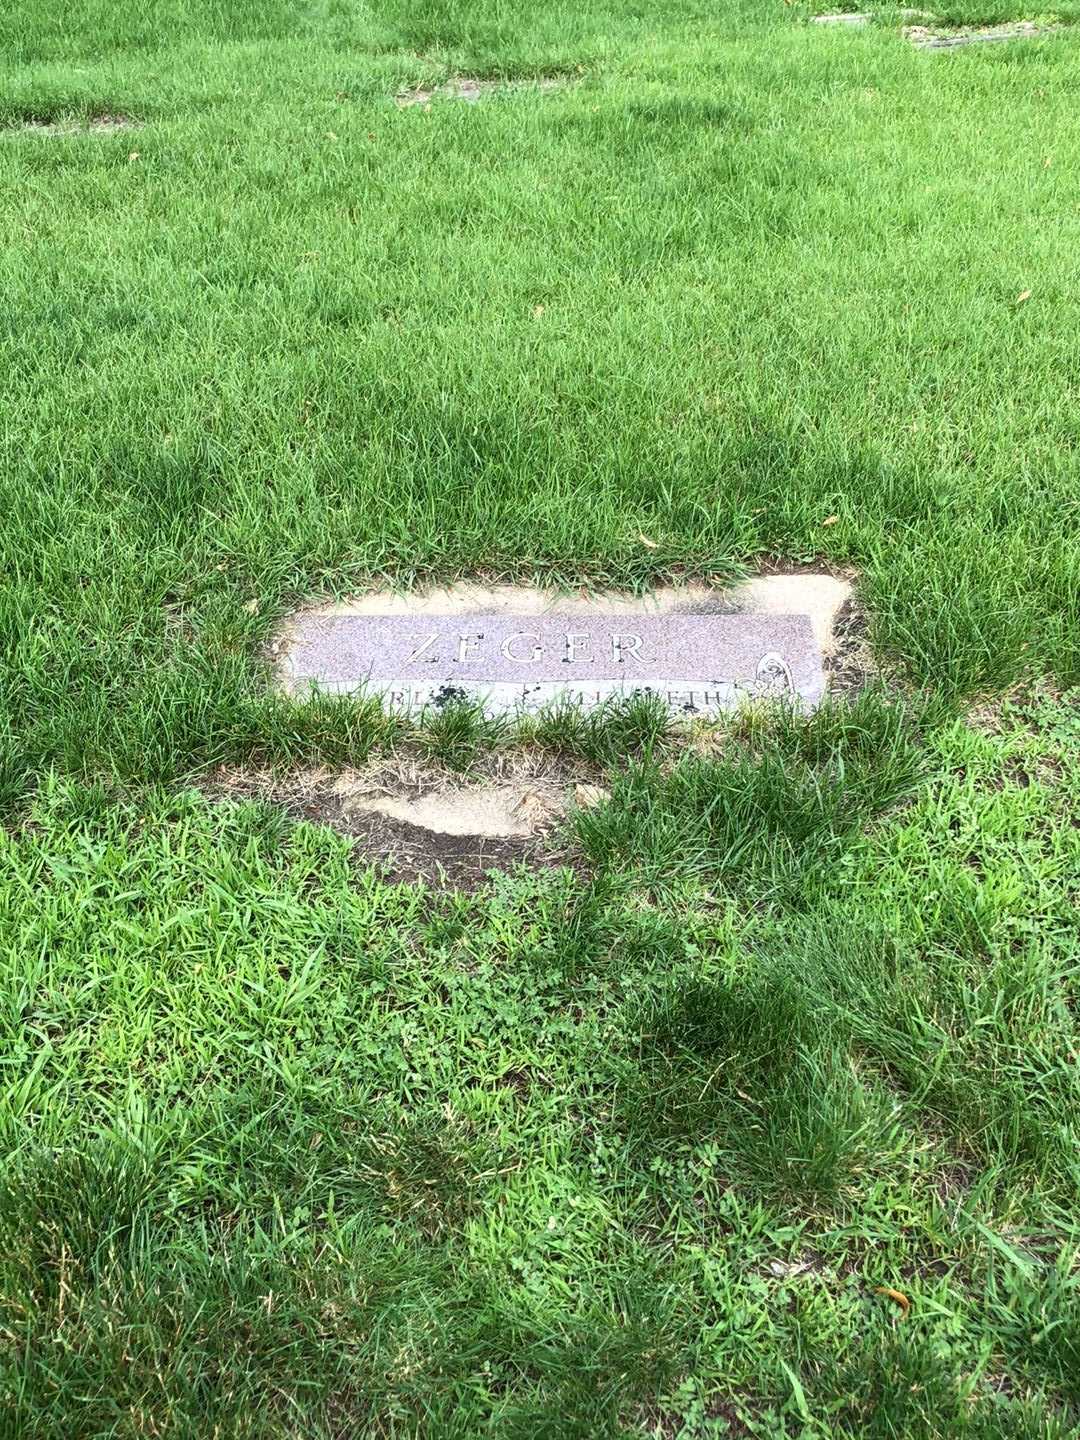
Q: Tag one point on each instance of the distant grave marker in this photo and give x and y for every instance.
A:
(925, 38)
(698, 664)
(472, 90)
(844, 17)
(929, 36)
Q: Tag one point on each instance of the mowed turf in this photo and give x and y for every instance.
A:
(292, 1152)
(763, 1120)
(740, 276)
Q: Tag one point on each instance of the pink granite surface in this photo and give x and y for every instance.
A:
(700, 663)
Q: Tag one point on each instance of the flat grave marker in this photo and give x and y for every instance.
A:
(698, 664)
(925, 38)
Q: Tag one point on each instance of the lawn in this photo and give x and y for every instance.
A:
(761, 1117)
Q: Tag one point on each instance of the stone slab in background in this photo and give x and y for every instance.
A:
(472, 90)
(925, 38)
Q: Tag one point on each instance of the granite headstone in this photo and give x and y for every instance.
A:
(698, 664)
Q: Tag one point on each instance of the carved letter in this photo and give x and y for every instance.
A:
(417, 653)
(537, 650)
(573, 640)
(623, 645)
(466, 645)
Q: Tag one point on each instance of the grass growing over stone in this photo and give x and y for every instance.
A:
(763, 1119)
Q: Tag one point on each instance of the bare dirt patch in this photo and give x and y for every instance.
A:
(472, 90)
(656, 1422)
(423, 822)
(850, 665)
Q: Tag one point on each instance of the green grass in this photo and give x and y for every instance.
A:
(778, 268)
(635, 1149)
(291, 1151)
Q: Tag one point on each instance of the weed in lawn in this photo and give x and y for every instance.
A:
(325, 730)
(456, 732)
(904, 1385)
(973, 1037)
(607, 734)
(975, 618)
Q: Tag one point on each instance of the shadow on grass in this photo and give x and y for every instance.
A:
(240, 1316)
(747, 1066)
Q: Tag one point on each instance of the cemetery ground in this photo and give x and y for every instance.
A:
(757, 1113)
